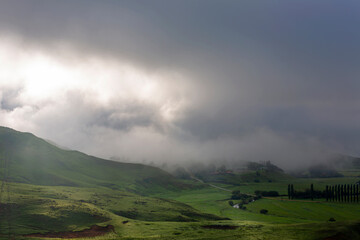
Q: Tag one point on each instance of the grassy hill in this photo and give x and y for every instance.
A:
(35, 161)
(48, 190)
(259, 176)
(44, 188)
(31, 208)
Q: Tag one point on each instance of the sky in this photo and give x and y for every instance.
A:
(181, 81)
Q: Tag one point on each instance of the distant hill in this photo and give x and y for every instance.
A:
(344, 162)
(331, 168)
(255, 172)
(33, 160)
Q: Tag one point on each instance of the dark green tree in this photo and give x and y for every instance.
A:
(345, 193)
(327, 193)
(289, 191)
(312, 191)
(354, 193)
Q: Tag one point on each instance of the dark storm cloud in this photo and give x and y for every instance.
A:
(8, 100)
(290, 67)
(127, 116)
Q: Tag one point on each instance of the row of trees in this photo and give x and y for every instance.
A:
(336, 193)
(308, 193)
(342, 193)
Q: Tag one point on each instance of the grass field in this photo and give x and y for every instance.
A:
(58, 208)
(215, 201)
(44, 189)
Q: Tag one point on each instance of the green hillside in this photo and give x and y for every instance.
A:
(30, 208)
(261, 176)
(35, 161)
(48, 191)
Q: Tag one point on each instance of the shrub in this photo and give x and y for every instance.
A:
(264, 211)
(231, 203)
(332, 219)
(236, 195)
(267, 193)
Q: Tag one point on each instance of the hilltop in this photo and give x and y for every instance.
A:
(33, 160)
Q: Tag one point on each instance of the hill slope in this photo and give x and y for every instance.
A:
(33, 160)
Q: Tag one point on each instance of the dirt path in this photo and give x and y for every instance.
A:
(221, 188)
(212, 185)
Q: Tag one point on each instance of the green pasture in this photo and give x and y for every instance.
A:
(48, 189)
(58, 208)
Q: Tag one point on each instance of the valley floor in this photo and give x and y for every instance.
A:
(200, 213)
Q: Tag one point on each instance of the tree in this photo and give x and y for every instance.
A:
(289, 191)
(266, 193)
(264, 211)
(312, 191)
(327, 193)
(336, 193)
(354, 193)
(345, 193)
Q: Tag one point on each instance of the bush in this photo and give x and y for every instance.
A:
(307, 194)
(264, 211)
(267, 193)
(231, 203)
(332, 219)
(236, 195)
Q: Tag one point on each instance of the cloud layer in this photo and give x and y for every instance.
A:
(189, 80)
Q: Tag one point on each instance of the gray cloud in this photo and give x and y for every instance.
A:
(8, 100)
(257, 73)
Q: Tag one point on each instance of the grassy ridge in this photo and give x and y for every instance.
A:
(29, 209)
(35, 161)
